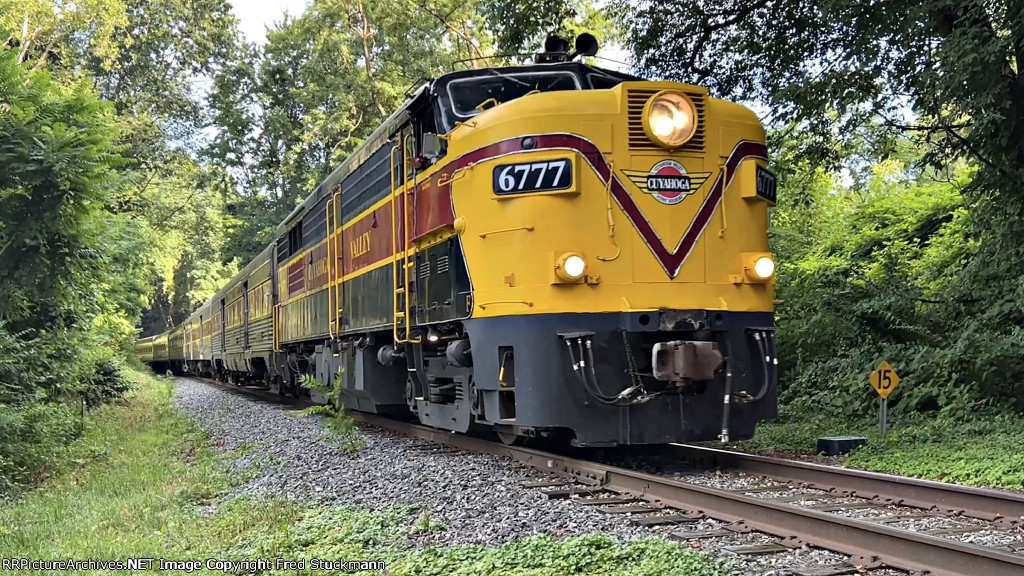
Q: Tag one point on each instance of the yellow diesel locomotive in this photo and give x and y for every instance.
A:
(549, 250)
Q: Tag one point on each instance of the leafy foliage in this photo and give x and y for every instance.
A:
(885, 251)
(835, 66)
(521, 27)
(67, 265)
(63, 37)
(336, 419)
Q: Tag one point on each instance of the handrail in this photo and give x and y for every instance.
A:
(277, 327)
(503, 230)
(409, 189)
(330, 266)
(394, 236)
(339, 262)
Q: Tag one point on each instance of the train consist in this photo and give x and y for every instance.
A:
(549, 250)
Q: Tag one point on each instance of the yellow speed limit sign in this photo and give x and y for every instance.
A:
(884, 380)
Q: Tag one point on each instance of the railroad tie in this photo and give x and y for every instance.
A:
(606, 501)
(826, 570)
(833, 506)
(546, 483)
(666, 519)
(563, 493)
(756, 549)
(685, 535)
(626, 509)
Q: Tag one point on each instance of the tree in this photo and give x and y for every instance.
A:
(521, 27)
(165, 48)
(62, 35)
(57, 162)
(947, 71)
(324, 81)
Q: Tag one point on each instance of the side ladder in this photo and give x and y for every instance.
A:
(404, 254)
(335, 265)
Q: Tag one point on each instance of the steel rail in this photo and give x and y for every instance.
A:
(870, 544)
(1001, 506)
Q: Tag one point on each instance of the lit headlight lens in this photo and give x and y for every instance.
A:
(764, 267)
(574, 266)
(670, 119)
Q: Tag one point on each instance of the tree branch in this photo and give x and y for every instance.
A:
(365, 33)
(708, 30)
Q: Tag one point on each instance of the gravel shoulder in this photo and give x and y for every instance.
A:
(476, 498)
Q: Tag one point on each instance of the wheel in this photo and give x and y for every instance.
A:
(510, 439)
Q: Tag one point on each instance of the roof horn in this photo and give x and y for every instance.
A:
(586, 45)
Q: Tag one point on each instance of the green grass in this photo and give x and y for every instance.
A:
(138, 480)
(982, 451)
(129, 489)
(353, 534)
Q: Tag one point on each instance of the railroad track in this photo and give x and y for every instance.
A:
(794, 519)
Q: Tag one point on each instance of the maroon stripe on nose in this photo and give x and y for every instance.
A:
(671, 261)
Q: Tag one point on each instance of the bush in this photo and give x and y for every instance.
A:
(872, 271)
(35, 436)
(44, 378)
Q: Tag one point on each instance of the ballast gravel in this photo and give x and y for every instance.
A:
(472, 498)
(477, 498)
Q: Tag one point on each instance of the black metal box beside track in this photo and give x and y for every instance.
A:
(837, 445)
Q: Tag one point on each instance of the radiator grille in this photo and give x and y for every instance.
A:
(638, 140)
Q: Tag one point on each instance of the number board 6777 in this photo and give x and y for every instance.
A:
(540, 176)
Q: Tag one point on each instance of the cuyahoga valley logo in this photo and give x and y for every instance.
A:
(668, 181)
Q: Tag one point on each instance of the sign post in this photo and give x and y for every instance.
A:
(884, 380)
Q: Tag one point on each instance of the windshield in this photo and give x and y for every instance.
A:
(468, 93)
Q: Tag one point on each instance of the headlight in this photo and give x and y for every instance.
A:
(574, 266)
(670, 119)
(570, 267)
(764, 267)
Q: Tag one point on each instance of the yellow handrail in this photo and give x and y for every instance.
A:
(330, 266)
(277, 327)
(339, 263)
(394, 237)
(503, 230)
(408, 250)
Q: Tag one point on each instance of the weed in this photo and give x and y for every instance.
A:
(336, 420)
(426, 524)
(128, 493)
